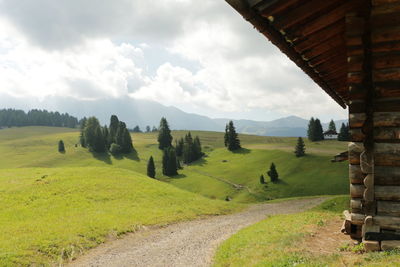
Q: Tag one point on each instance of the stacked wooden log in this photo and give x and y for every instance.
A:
(373, 49)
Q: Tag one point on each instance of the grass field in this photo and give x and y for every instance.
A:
(49, 214)
(282, 241)
(53, 205)
(212, 176)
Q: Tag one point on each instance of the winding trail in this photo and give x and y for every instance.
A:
(190, 243)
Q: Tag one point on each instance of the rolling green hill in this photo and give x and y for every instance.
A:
(54, 205)
(218, 175)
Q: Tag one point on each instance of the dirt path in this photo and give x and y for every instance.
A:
(190, 243)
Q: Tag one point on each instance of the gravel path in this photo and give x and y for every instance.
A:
(190, 243)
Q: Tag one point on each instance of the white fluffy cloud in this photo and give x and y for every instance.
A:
(209, 59)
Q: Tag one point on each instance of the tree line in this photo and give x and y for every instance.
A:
(36, 117)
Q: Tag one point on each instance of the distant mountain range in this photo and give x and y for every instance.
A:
(142, 112)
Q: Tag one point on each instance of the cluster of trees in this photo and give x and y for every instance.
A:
(35, 117)
(272, 173)
(344, 134)
(315, 131)
(115, 138)
(189, 149)
(137, 129)
(186, 149)
(231, 139)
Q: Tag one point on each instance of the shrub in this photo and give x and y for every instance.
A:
(115, 149)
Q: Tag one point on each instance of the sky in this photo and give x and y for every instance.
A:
(199, 56)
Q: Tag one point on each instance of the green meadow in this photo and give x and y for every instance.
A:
(281, 240)
(53, 206)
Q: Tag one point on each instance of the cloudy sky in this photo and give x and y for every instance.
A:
(199, 56)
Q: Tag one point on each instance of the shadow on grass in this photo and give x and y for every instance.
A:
(242, 151)
(105, 157)
(199, 162)
(132, 156)
(179, 176)
(280, 182)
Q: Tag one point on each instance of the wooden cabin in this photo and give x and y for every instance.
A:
(330, 135)
(351, 49)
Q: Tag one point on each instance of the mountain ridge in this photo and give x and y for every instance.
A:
(144, 112)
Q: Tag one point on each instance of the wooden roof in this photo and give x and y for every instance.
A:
(310, 32)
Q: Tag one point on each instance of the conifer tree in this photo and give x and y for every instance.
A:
(197, 148)
(179, 147)
(262, 179)
(272, 173)
(344, 134)
(187, 153)
(226, 136)
(61, 147)
(136, 129)
(300, 149)
(164, 135)
(311, 131)
(114, 123)
(82, 127)
(169, 162)
(151, 168)
(123, 138)
(106, 135)
(232, 139)
(332, 126)
(93, 135)
(318, 131)
(148, 129)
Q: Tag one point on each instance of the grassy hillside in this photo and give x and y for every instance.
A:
(54, 205)
(215, 176)
(51, 214)
(292, 240)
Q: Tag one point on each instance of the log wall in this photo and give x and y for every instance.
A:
(373, 51)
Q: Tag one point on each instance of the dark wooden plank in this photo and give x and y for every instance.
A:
(334, 16)
(319, 37)
(306, 10)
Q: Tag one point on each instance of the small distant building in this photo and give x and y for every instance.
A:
(330, 135)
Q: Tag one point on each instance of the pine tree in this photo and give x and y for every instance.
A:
(311, 131)
(123, 138)
(151, 169)
(82, 127)
(114, 123)
(233, 142)
(318, 131)
(179, 147)
(154, 129)
(169, 162)
(300, 149)
(61, 147)
(106, 135)
(272, 173)
(344, 134)
(262, 179)
(136, 129)
(197, 148)
(226, 136)
(187, 153)
(93, 135)
(148, 129)
(164, 135)
(332, 126)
